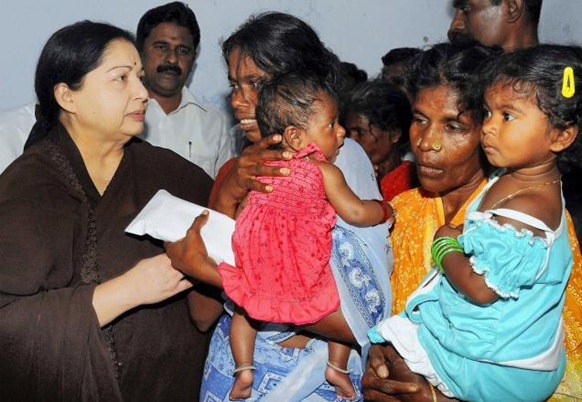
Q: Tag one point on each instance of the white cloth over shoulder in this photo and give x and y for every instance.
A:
(166, 217)
(15, 125)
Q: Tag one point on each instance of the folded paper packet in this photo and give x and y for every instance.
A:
(167, 218)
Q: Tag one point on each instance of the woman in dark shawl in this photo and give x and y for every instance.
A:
(88, 313)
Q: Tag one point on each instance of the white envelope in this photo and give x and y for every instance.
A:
(167, 218)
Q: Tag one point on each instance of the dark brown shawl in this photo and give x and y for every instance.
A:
(58, 239)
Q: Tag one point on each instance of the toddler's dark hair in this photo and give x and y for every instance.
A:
(290, 100)
(539, 72)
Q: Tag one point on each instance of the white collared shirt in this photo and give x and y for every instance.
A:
(15, 125)
(199, 133)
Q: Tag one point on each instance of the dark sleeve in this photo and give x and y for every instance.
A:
(51, 342)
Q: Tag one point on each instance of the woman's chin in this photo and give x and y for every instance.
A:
(432, 184)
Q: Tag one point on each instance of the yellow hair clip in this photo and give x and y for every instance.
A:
(568, 85)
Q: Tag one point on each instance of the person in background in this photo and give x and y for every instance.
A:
(510, 24)
(167, 39)
(378, 117)
(88, 313)
(397, 66)
(351, 75)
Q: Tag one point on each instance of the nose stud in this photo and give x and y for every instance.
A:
(436, 146)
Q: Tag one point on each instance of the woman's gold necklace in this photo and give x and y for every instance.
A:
(510, 196)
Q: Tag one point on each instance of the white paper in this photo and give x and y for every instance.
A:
(167, 218)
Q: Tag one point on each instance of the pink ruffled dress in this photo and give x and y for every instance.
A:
(282, 245)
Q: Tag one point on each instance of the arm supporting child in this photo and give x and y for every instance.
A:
(456, 266)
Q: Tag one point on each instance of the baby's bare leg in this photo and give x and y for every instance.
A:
(337, 370)
(242, 342)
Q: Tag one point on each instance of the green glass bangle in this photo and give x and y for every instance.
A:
(441, 249)
(438, 248)
(438, 258)
(443, 246)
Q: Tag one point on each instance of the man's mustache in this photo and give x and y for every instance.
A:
(169, 67)
(461, 39)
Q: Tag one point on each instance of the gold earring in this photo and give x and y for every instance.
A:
(436, 146)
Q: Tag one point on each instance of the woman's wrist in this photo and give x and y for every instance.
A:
(113, 298)
(388, 212)
(225, 203)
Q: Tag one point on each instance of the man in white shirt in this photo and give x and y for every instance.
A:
(15, 125)
(167, 39)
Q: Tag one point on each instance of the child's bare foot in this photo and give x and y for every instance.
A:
(243, 385)
(338, 377)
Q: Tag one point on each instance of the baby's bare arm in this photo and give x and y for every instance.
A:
(347, 204)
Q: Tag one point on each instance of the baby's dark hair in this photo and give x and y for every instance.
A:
(539, 72)
(290, 100)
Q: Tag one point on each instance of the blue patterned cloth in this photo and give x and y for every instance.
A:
(361, 263)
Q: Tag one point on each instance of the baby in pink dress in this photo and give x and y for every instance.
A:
(282, 241)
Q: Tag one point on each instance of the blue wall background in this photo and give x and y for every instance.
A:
(359, 31)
